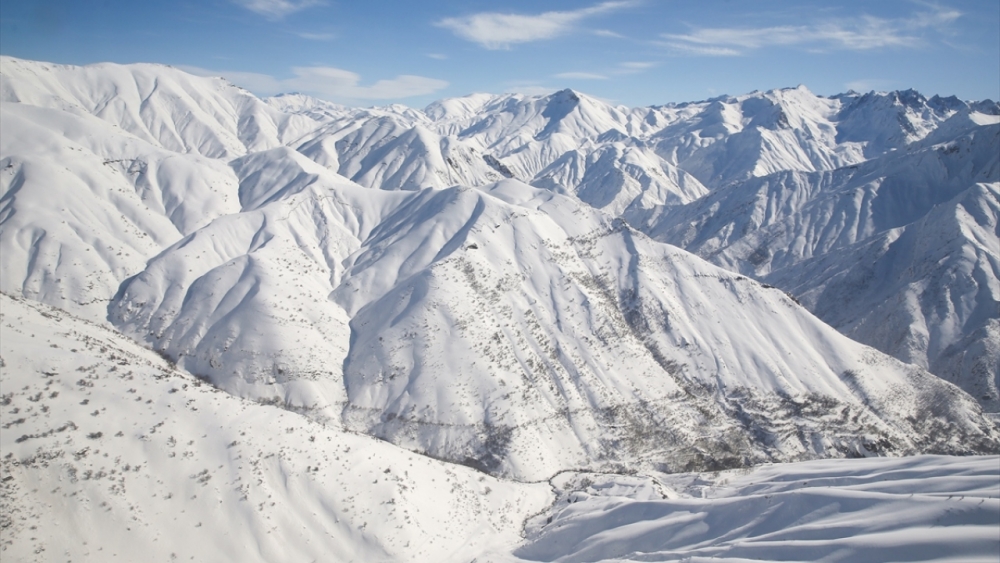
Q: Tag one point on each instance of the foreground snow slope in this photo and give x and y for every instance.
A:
(108, 452)
(915, 509)
(111, 453)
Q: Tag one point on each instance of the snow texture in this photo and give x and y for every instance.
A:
(238, 296)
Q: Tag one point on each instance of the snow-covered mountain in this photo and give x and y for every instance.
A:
(900, 252)
(515, 330)
(486, 282)
(111, 453)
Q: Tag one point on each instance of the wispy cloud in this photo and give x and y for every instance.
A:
(494, 30)
(276, 9)
(581, 76)
(438, 56)
(637, 65)
(607, 33)
(856, 34)
(316, 36)
(702, 50)
(328, 82)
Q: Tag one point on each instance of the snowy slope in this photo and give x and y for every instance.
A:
(622, 180)
(529, 133)
(160, 104)
(520, 332)
(466, 282)
(916, 509)
(926, 293)
(836, 240)
(83, 204)
(393, 152)
(110, 453)
(721, 141)
(508, 327)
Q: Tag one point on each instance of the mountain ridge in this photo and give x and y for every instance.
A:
(266, 328)
(302, 285)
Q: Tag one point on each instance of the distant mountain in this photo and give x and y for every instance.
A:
(900, 252)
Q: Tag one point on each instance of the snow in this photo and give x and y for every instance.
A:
(836, 240)
(110, 452)
(466, 312)
(924, 508)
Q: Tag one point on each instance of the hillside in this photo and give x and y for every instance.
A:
(283, 328)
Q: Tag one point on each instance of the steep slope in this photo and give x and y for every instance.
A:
(622, 180)
(507, 327)
(926, 293)
(775, 221)
(159, 104)
(245, 299)
(392, 152)
(529, 133)
(832, 233)
(720, 141)
(111, 453)
(518, 331)
(892, 120)
(83, 204)
(735, 138)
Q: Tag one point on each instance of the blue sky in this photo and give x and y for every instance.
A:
(632, 52)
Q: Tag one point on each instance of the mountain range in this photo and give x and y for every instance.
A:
(521, 285)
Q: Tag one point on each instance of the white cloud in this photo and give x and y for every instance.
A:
(608, 33)
(494, 30)
(316, 36)
(637, 65)
(580, 76)
(276, 9)
(702, 50)
(438, 56)
(857, 34)
(327, 82)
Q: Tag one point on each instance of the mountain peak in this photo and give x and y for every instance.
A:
(566, 95)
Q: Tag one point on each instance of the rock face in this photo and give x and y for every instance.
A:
(485, 281)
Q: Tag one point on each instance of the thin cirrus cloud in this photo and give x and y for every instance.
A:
(329, 82)
(316, 36)
(632, 67)
(608, 33)
(494, 30)
(858, 34)
(581, 76)
(276, 9)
